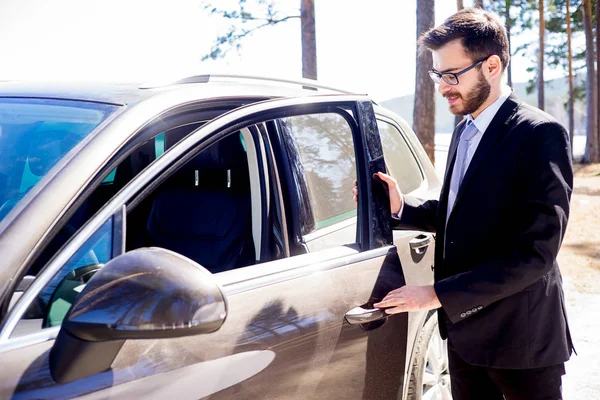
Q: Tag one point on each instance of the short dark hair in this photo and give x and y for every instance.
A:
(481, 33)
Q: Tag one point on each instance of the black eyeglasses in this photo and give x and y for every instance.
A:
(450, 78)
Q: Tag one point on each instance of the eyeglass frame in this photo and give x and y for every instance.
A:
(440, 75)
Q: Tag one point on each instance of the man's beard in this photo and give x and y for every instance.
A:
(474, 98)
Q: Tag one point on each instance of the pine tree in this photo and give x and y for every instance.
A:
(591, 150)
(424, 109)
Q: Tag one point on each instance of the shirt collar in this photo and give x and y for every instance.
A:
(484, 119)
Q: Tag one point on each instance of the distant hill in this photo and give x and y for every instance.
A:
(556, 92)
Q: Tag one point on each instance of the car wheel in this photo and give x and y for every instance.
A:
(430, 378)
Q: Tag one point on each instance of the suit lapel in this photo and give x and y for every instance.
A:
(494, 132)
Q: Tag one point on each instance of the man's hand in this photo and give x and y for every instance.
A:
(393, 190)
(410, 298)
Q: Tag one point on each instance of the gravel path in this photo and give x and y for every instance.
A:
(579, 261)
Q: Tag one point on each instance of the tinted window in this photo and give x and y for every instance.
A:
(399, 158)
(55, 299)
(34, 135)
(325, 168)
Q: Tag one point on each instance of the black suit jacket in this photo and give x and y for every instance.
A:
(499, 284)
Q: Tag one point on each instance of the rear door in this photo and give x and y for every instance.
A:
(297, 327)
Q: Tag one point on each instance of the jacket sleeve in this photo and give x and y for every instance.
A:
(417, 215)
(545, 185)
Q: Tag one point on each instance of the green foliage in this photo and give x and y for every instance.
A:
(524, 17)
(244, 19)
(555, 49)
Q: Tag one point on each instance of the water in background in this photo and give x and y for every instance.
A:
(442, 142)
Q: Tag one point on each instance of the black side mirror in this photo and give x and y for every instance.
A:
(143, 294)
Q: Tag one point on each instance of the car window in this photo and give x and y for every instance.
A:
(399, 158)
(54, 300)
(203, 211)
(34, 135)
(159, 150)
(120, 176)
(321, 151)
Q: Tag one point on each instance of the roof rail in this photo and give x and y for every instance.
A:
(305, 83)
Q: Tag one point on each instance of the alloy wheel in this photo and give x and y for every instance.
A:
(436, 377)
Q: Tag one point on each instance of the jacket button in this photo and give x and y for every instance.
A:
(463, 315)
(469, 312)
(474, 310)
(480, 308)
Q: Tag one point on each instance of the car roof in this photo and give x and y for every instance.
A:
(129, 93)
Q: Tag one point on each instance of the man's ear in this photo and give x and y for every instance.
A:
(493, 67)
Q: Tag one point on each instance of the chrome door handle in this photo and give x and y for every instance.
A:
(420, 243)
(359, 315)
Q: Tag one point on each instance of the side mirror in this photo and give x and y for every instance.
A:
(147, 293)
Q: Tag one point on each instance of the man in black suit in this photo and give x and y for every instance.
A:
(499, 223)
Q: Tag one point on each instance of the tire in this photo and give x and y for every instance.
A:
(429, 377)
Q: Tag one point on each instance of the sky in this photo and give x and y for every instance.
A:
(362, 46)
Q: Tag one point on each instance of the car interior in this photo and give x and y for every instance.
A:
(203, 210)
(213, 210)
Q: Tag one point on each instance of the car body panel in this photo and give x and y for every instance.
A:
(277, 341)
(298, 329)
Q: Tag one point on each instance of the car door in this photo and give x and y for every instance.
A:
(290, 322)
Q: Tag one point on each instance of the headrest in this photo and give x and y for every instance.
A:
(215, 166)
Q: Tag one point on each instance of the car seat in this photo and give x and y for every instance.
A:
(203, 210)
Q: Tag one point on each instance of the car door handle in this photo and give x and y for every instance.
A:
(420, 243)
(360, 315)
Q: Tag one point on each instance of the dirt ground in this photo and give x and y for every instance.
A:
(579, 261)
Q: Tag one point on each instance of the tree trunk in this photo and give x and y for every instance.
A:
(479, 3)
(424, 106)
(540, 75)
(571, 80)
(459, 6)
(591, 147)
(597, 80)
(508, 24)
(309, 41)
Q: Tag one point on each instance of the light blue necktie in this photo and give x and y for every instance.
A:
(460, 165)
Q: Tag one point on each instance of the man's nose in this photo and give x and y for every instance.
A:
(443, 87)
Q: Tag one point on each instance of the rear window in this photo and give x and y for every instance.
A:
(35, 134)
(399, 158)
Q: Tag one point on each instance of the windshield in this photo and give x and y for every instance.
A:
(34, 135)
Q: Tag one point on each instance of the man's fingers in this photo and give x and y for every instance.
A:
(387, 178)
(395, 310)
(390, 302)
(396, 293)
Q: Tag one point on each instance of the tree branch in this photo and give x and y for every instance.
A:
(232, 38)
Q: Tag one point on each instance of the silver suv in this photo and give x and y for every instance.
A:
(200, 239)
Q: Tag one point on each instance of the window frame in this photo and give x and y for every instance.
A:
(291, 192)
